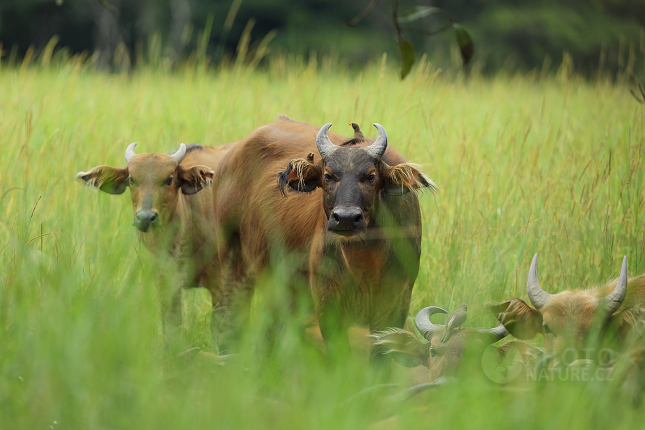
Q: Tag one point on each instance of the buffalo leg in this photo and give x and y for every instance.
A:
(334, 332)
(391, 319)
(222, 324)
(171, 317)
(218, 331)
(229, 316)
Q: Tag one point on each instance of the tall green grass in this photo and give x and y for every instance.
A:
(526, 164)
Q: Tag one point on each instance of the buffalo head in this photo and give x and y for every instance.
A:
(352, 179)
(568, 318)
(442, 359)
(155, 181)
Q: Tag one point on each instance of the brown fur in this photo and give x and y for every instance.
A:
(520, 319)
(358, 279)
(570, 315)
(184, 241)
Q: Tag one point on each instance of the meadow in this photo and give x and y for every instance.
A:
(526, 163)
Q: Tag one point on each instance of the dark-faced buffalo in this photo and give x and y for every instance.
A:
(175, 218)
(351, 218)
(576, 318)
(442, 359)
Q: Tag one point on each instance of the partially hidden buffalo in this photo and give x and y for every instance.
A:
(589, 334)
(347, 209)
(443, 359)
(606, 316)
(174, 217)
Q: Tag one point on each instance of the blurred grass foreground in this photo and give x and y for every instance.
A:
(526, 163)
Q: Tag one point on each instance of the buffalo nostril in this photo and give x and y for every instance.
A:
(146, 217)
(346, 219)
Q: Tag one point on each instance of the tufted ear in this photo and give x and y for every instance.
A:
(193, 179)
(111, 180)
(301, 175)
(405, 177)
(520, 319)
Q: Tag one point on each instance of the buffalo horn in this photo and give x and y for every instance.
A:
(423, 323)
(325, 146)
(537, 295)
(129, 151)
(613, 301)
(495, 334)
(179, 155)
(377, 149)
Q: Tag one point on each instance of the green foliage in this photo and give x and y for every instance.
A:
(407, 57)
(525, 35)
(465, 43)
(596, 34)
(526, 163)
(464, 40)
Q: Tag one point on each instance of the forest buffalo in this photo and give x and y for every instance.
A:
(601, 316)
(175, 220)
(348, 225)
(443, 359)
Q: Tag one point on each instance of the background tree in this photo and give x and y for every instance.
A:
(596, 34)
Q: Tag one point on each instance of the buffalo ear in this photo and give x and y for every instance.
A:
(193, 179)
(520, 319)
(111, 180)
(405, 177)
(626, 320)
(300, 175)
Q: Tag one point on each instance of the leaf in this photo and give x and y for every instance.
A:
(59, 2)
(465, 42)
(407, 57)
(109, 7)
(417, 12)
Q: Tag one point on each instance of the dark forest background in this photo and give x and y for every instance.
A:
(518, 34)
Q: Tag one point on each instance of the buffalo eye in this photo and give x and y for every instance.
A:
(132, 181)
(433, 352)
(370, 178)
(168, 181)
(328, 177)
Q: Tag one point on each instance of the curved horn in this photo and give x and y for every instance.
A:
(408, 393)
(613, 301)
(179, 155)
(129, 151)
(325, 146)
(497, 333)
(423, 323)
(537, 295)
(377, 149)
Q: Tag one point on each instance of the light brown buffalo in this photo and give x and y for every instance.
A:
(175, 220)
(349, 221)
(443, 359)
(603, 316)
